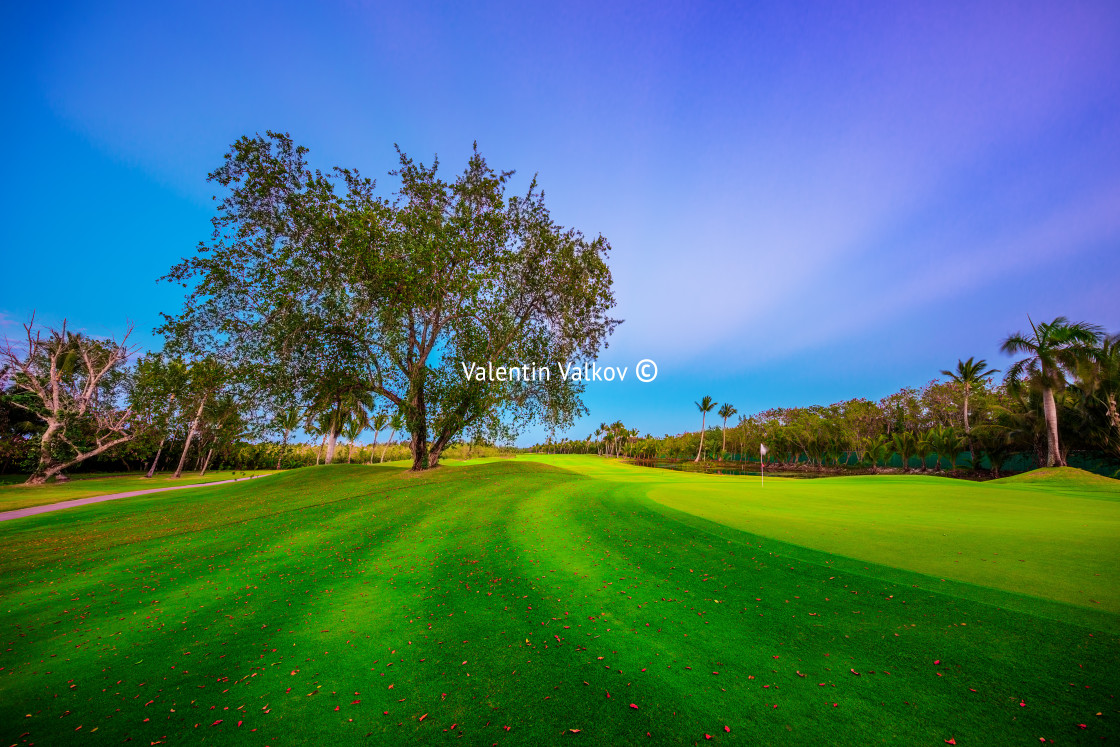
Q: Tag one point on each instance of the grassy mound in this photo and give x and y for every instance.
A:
(1063, 477)
(508, 603)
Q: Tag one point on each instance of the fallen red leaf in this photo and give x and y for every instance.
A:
(423, 717)
(950, 740)
(634, 706)
(727, 729)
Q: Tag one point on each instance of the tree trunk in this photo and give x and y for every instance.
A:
(387, 444)
(1114, 418)
(155, 461)
(349, 450)
(332, 441)
(55, 470)
(206, 462)
(190, 436)
(319, 454)
(46, 461)
(418, 427)
(283, 447)
(373, 447)
(968, 431)
(1050, 410)
(703, 427)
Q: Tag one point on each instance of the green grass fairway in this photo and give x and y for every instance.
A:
(571, 601)
(1051, 534)
(13, 497)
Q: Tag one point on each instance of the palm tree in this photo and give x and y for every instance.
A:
(338, 399)
(1052, 349)
(946, 444)
(396, 423)
(969, 375)
(705, 406)
(377, 424)
(904, 444)
(319, 427)
(923, 447)
(355, 424)
(725, 412)
(288, 421)
(1099, 382)
(879, 450)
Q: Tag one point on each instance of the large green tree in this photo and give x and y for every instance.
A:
(156, 388)
(309, 272)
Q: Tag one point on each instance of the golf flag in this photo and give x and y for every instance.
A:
(761, 461)
(762, 449)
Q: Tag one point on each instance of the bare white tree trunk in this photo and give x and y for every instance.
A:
(190, 435)
(63, 399)
(206, 462)
(155, 462)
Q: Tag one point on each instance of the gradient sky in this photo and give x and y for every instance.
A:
(807, 202)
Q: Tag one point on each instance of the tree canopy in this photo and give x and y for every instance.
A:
(311, 274)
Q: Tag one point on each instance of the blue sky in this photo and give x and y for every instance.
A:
(807, 202)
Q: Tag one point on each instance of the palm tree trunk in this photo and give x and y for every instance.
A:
(349, 450)
(332, 442)
(1050, 410)
(373, 448)
(703, 426)
(968, 431)
(319, 454)
(386, 447)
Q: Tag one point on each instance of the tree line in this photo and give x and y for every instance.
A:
(320, 304)
(1059, 396)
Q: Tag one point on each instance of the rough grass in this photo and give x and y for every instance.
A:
(508, 603)
(14, 497)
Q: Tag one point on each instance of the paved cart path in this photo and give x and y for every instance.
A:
(32, 510)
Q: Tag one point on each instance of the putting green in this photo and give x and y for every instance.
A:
(1052, 534)
(514, 603)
